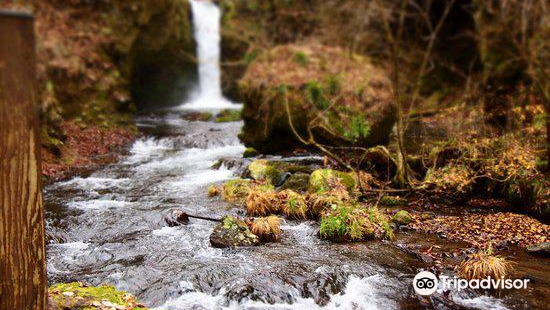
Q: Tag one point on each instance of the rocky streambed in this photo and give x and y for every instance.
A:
(109, 227)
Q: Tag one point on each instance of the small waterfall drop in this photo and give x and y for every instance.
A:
(206, 25)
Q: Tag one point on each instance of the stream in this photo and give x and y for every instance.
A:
(108, 227)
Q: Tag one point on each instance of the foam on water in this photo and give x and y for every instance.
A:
(480, 302)
(93, 183)
(360, 293)
(98, 204)
(147, 148)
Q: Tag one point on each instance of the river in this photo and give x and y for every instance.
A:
(108, 227)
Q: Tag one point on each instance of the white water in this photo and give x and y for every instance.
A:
(206, 25)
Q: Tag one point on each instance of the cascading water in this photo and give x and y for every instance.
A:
(206, 24)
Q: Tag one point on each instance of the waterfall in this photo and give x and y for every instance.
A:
(206, 25)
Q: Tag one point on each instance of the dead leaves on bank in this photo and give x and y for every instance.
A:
(481, 229)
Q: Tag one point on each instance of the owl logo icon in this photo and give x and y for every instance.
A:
(425, 283)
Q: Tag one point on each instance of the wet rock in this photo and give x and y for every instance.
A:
(540, 249)
(232, 232)
(297, 181)
(176, 218)
(401, 218)
(237, 164)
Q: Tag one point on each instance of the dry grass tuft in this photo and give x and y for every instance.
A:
(267, 228)
(261, 202)
(318, 203)
(213, 191)
(293, 204)
(484, 264)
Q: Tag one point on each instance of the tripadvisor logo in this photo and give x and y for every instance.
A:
(426, 283)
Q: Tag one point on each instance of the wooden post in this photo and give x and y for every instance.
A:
(22, 249)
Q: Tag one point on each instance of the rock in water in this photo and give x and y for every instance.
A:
(232, 232)
(540, 249)
(176, 218)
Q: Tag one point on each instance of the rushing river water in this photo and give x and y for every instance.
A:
(108, 227)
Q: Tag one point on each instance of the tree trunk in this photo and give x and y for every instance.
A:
(22, 249)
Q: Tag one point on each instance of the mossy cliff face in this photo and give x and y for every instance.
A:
(349, 93)
(97, 59)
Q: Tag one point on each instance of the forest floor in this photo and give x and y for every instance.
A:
(85, 148)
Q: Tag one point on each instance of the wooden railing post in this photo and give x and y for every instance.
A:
(22, 249)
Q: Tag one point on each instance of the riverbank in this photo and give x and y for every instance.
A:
(86, 148)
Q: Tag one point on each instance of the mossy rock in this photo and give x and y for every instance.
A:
(263, 170)
(354, 222)
(79, 296)
(393, 201)
(232, 232)
(321, 180)
(250, 152)
(297, 181)
(401, 218)
(362, 114)
(197, 116)
(228, 115)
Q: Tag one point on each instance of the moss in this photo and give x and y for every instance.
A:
(393, 201)
(81, 297)
(401, 218)
(297, 181)
(250, 152)
(232, 232)
(228, 116)
(323, 180)
(293, 204)
(262, 170)
(353, 222)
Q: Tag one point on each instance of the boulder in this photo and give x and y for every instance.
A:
(297, 181)
(232, 232)
(323, 179)
(401, 218)
(308, 77)
(176, 218)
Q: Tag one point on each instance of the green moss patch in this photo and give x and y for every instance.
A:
(323, 180)
(226, 116)
(79, 296)
(353, 222)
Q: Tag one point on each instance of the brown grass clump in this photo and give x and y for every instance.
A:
(261, 202)
(267, 228)
(213, 191)
(484, 264)
(293, 204)
(318, 203)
